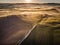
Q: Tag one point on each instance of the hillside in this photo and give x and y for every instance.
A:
(17, 20)
(46, 32)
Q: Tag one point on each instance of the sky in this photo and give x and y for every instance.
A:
(29, 1)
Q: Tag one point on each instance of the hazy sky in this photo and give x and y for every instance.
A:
(24, 1)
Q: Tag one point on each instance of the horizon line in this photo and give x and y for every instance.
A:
(26, 3)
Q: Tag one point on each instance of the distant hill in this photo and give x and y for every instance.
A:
(11, 5)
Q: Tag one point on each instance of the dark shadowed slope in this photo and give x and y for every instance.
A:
(45, 33)
(12, 29)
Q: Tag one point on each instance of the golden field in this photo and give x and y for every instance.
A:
(17, 20)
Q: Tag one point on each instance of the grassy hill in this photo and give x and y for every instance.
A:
(47, 32)
(17, 19)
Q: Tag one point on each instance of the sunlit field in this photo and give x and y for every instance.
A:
(17, 19)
